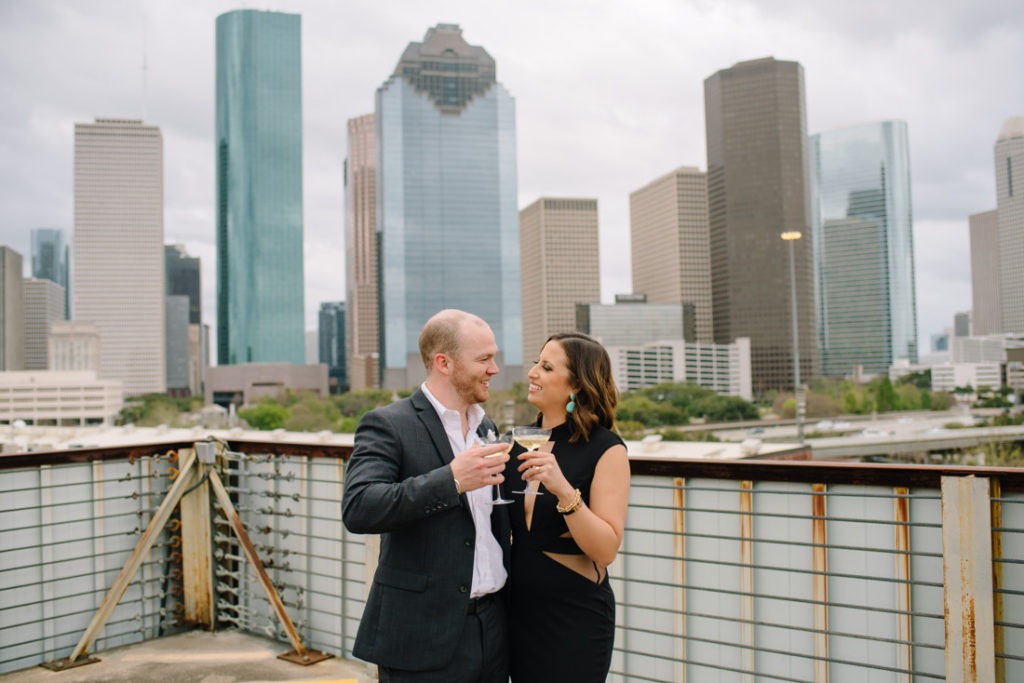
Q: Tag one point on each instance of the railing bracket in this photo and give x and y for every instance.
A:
(64, 664)
(306, 658)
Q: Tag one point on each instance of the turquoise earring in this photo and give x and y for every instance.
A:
(571, 405)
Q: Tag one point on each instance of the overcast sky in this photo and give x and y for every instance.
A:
(609, 96)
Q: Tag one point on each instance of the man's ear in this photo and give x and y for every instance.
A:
(442, 364)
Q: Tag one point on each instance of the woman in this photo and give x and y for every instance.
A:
(562, 608)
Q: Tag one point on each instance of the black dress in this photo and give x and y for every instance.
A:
(562, 623)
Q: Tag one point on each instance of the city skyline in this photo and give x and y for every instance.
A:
(626, 129)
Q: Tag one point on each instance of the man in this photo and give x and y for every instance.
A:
(420, 479)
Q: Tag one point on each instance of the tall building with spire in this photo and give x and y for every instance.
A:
(670, 249)
(757, 190)
(561, 266)
(362, 327)
(447, 213)
(260, 299)
(863, 238)
(1009, 160)
(118, 249)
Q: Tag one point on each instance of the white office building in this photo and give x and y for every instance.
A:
(59, 398)
(723, 368)
(118, 253)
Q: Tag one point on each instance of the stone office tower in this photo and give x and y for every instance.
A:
(447, 214)
(668, 227)
(362, 328)
(561, 266)
(757, 189)
(118, 248)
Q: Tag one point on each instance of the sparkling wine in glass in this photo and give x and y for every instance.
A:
(497, 496)
(530, 438)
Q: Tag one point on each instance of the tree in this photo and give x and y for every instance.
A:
(266, 415)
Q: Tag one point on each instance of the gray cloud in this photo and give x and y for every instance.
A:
(609, 96)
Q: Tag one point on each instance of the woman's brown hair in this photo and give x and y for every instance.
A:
(590, 372)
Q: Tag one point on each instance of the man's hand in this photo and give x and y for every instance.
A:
(480, 466)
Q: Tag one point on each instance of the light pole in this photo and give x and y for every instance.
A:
(791, 237)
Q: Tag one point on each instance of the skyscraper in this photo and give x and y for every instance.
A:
(863, 247)
(668, 228)
(331, 344)
(561, 266)
(12, 311)
(757, 175)
(187, 337)
(1009, 159)
(260, 310)
(362, 330)
(50, 259)
(183, 279)
(446, 201)
(44, 305)
(986, 308)
(118, 251)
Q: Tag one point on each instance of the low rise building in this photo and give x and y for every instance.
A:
(59, 398)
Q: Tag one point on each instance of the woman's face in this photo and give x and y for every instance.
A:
(549, 380)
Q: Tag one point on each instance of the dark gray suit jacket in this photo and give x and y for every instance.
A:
(399, 484)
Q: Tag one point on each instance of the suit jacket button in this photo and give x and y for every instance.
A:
(469, 542)
(463, 588)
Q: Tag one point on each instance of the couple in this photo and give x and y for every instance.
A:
(469, 591)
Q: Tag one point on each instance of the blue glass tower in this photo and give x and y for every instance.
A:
(260, 311)
(863, 247)
(50, 259)
(447, 211)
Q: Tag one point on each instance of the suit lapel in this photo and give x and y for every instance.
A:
(428, 416)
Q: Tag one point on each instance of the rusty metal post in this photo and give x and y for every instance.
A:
(679, 553)
(196, 545)
(820, 561)
(967, 578)
(747, 662)
(904, 622)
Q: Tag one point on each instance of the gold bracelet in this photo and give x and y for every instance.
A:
(576, 504)
(458, 487)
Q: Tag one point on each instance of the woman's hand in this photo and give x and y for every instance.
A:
(540, 466)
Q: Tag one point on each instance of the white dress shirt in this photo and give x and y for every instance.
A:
(488, 569)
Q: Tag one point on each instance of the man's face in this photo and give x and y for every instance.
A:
(474, 364)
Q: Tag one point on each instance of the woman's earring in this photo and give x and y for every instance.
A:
(571, 405)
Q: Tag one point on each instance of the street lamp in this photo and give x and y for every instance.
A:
(791, 237)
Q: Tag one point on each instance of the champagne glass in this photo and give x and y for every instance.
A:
(496, 490)
(530, 438)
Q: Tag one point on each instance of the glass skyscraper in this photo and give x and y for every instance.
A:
(863, 247)
(446, 201)
(50, 259)
(260, 310)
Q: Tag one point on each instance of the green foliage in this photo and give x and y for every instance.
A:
(356, 403)
(680, 435)
(630, 430)
(921, 379)
(716, 408)
(312, 414)
(266, 415)
(674, 404)
(150, 410)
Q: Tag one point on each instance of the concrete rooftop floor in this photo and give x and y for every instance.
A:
(200, 657)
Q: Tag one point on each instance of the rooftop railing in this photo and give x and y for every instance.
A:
(743, 570)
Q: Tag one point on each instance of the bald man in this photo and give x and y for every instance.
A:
(420, 477)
